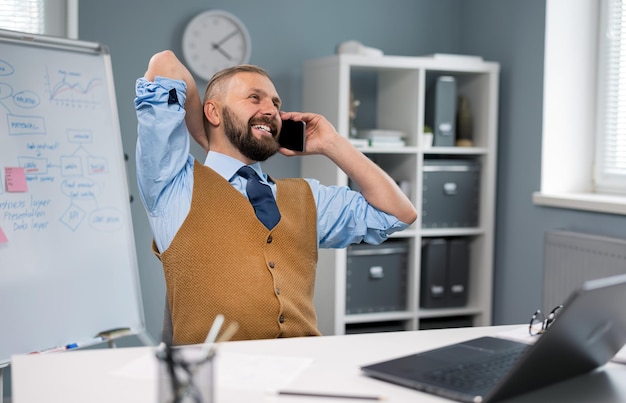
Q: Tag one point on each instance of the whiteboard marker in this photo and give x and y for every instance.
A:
(89, 342)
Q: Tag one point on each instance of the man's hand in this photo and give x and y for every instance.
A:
(378, 188)
(320, 133)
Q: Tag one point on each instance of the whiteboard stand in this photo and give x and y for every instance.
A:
(2, 367)
(143, 337)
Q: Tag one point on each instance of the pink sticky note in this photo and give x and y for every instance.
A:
(3, 238)
(15, 179)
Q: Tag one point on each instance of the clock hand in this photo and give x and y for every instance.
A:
(217, 45)
(227, 37)
(222, 51)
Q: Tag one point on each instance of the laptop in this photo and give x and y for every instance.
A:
(588, 332)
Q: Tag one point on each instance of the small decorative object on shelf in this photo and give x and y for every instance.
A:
(427, 137)
(464, 124)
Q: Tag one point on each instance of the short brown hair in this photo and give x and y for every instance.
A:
(215, 86)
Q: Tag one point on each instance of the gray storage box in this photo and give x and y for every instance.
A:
(450, 193)
(376, 278)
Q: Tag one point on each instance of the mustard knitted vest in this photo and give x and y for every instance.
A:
(223, 260)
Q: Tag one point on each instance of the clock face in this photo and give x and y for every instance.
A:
(214, 40)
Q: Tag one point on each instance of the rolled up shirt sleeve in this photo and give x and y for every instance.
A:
(163, 139)
(345, 217)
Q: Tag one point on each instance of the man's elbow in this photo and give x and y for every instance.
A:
(409, 216)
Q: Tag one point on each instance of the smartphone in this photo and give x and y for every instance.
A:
(293, 135)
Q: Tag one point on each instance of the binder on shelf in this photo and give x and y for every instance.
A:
(433, 275)
(458, 272)
(440, 113)
(444, 273)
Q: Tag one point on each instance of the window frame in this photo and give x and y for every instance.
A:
(570, 92)
(605, 182)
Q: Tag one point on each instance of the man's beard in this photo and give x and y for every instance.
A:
(241, 137)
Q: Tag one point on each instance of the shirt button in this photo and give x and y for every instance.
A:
(269, 239)
(281, 319)
(277, 291)
(271, 265)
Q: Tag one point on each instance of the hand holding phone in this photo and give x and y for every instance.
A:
(293, 135)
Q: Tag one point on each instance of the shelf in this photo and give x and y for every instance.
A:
(379, 317)
(455, 151)
(443, 232)
(393, 94)
(406, 315)
(447, 312)
(407, 233)
(388, 150)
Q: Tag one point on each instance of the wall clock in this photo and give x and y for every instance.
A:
(214, 40)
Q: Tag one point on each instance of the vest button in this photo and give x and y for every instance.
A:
(269, 239)
(277, 291)
(271, 265)
(281, 319)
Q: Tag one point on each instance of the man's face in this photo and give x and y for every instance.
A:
(251, 116)
(239, 132)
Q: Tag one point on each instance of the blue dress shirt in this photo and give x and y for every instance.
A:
(165, 177)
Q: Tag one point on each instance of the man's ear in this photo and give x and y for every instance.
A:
(213, 113)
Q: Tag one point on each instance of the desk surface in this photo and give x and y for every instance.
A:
(328, 364)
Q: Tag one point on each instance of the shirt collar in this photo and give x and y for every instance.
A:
(227, 166)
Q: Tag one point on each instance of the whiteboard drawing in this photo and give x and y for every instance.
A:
(45, 122)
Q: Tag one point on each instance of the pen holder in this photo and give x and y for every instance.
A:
(185, 375)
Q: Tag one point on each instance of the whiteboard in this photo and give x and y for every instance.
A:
(68, 266)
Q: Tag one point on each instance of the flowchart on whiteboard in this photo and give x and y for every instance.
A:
(54, 149)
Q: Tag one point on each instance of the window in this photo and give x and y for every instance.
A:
(22, 15)
(48, 17)
(571, 72)
(610, 172)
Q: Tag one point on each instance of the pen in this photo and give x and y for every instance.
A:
(212, 335)
(90, 342)
(329, 395)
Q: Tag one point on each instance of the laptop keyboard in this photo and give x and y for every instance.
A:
(476, 375)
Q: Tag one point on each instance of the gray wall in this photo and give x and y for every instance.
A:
(512, 32)
(507, 31)
(134, 30)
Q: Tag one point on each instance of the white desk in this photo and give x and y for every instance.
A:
(333, 366)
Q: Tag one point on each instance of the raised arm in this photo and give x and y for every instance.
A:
(378, 188)
(166, 64)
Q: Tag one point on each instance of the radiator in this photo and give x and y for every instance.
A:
(571, 258)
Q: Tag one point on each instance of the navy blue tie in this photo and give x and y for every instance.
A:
(261, 197)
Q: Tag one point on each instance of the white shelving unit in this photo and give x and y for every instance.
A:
(397, 98)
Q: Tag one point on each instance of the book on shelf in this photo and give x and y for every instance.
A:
(383, 138)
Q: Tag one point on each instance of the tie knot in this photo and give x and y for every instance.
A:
(247, 172)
